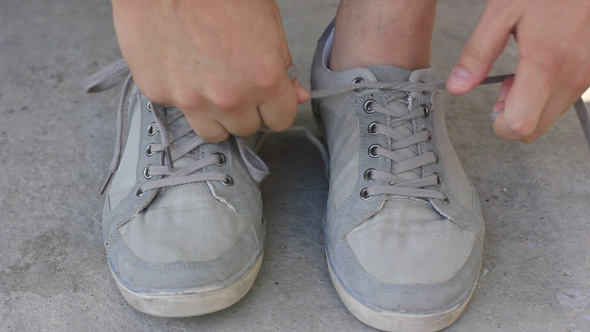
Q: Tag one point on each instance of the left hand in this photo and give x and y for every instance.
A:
(554, 62)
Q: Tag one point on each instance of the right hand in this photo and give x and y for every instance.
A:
(222, 63)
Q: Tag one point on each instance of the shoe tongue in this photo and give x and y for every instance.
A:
(390, 73)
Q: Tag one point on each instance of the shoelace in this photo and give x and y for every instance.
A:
(401, 163)
(172, 149)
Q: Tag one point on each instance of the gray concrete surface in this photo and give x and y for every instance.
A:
(56, 143)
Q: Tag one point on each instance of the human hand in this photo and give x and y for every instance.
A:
(222, 63)
(554, 62)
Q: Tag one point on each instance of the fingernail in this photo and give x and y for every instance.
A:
(302, 91)
(499, 106)
(459, 78)
(493, 116)
(298, 84)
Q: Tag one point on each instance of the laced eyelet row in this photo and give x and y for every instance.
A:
(364, 195)
(227, 182)
(372, 151)
(148, 150)
(368, 177)
(221, 161)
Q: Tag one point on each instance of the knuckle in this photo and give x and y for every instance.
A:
(503, 10)
(186, 99)
(550, 63)
(580, 81)
(268, 78)
(214, 137)
(225, 97)
(281, 126)
(502, 134)
(284, 122)
(247, 131)
(478, 51)
(521, 128)
(155, 95)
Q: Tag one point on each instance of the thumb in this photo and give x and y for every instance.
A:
(303, 94)
(483, 48)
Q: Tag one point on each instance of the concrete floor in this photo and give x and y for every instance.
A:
(56, 145)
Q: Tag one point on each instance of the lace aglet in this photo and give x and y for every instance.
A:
(106, 183)
(168, 159)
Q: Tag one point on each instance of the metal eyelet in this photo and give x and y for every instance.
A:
(221, 159)
(150, 129)
(368, 175)
(426, 109)
(150, 107)
(428, 134)
(435, 157)
(373, 150)
(373, 128)
(438, 180)
(357, 81)
(139, 192)
(368, 106)
(148, 151)
(228, 181)
(146, 172)
(446, 200)
(364, 194)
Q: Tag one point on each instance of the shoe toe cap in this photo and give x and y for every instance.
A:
(183, 241)
(410, 262)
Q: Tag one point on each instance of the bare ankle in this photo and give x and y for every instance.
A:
(383, 32)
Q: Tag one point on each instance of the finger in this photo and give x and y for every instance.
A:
(525, 102)
(303, 94)
(279, 112)
(206, 127)
(240, 122)
(504, 90)
(556, 106)
(483, 48)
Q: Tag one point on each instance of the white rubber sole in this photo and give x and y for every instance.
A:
(393, 321)
(191, 302)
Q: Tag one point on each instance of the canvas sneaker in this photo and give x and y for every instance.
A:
(404, 228)
(182, 219)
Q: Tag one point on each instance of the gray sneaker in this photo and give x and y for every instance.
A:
(404, 228)
(182, 219)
